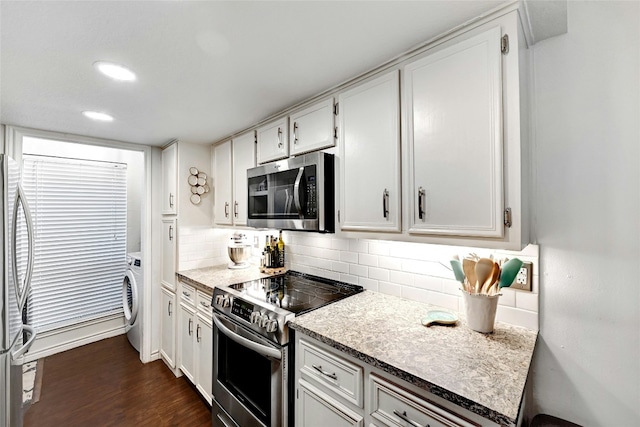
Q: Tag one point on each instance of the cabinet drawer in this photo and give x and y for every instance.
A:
(203, 301)
(393, 406)
(187, 293)
(336, 374)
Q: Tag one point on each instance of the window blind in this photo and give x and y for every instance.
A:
(79, 211)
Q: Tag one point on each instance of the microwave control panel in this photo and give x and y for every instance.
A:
(312, 196)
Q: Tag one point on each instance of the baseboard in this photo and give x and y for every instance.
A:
(67, 338)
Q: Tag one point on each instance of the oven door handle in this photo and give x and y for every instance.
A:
(245, 342)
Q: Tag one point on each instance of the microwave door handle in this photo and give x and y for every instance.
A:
(296, 191)
(245, 342)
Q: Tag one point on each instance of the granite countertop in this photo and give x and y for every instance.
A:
(208, 278)
(484, 373)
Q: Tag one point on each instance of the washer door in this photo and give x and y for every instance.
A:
(130, 298)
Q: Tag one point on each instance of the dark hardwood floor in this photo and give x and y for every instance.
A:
(106, 384)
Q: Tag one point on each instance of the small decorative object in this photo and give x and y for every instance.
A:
(198, 182)
(440, 317)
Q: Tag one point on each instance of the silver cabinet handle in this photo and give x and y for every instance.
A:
(171, 232)
(186, 294)
(295, 133)
(279, 138)
(169, 308)
(235, 209)
(198, 333)
(204, 304)
(190, 328)
(385, 203)
(404, 417)
(226, 209)
(325, 373)
(421, 197)
(170, 200)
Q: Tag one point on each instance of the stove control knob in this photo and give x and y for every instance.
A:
(272, 325)
(226, 301)
(219, 299)
(255, 317)
(263, 321)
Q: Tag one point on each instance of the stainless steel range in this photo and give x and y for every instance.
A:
(251, 345)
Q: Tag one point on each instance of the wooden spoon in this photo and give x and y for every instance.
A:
(469, 267)
(484, 270)
(493, 279)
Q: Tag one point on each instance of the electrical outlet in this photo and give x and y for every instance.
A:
(524, 277)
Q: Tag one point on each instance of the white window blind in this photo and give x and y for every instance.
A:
(79, 211)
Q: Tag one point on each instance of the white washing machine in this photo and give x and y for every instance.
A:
(132, 292)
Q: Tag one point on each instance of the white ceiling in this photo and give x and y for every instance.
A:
(205, 69)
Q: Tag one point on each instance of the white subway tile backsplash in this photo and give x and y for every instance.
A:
(379, 274)
(359, 270)
(358, 245)
(351, 257)
(390, 263)
(410, 270)
(340, 267)
(369, 284)
(401, 278)
(428, 283)
(366, 259)
(377, 248)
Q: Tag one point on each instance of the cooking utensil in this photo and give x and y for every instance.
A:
(469, 268)
(509, 272)
(490, 285)
(457, 270)
(484, 268)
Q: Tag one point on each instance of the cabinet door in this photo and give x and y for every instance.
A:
(167, 341)
(169, 180)
(186, 334)
(454, 131)
(169, 233)
(312, 128)
(204, 351)
(369, 127)
(244, 157)
(317, 409)
(222, 184)
(273, 141)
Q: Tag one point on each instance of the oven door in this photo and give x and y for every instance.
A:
(249, 375)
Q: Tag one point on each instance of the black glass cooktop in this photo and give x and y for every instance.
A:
(297, 292)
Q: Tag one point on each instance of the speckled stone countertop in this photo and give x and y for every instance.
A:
(219, 275)
(484, 373)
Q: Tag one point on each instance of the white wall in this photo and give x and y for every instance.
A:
(587, 207)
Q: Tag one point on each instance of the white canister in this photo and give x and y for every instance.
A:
(480, 310)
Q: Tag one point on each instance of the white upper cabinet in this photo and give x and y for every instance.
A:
(169, 180)
(369, 129)
(244, 157)
(223, 191)
(231, 161)
(273, 141)
(453, 111)
(312, 128)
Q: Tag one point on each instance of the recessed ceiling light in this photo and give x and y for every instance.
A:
(98, 116)
(115, 71)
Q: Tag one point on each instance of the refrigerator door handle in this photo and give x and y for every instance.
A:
(22, 294)
(25, 347)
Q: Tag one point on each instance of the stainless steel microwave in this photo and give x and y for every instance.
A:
(293, 194)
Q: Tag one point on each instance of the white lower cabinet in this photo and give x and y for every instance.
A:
(168, 337)
(316, 408)
(195, 337)
(333, 388)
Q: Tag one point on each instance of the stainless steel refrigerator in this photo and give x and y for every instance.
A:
(16, 256)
